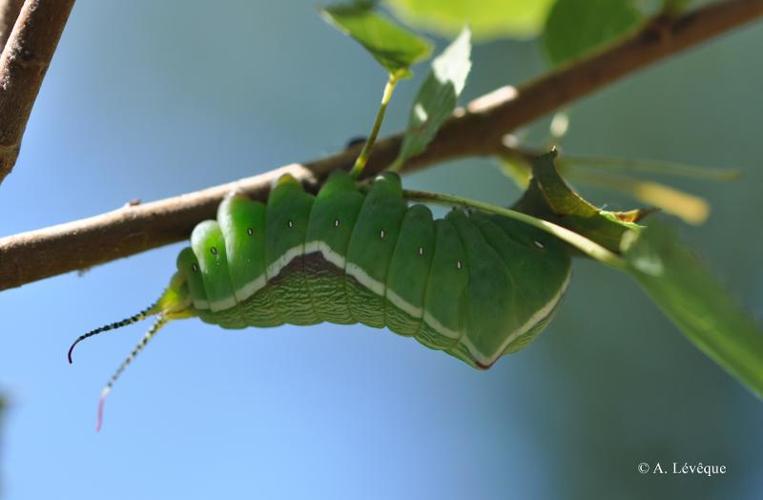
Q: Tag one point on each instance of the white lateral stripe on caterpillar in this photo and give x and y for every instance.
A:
(223, 304)
(283, 261)
(200, 304)
(401, 303)
(251, 288)
(364, 279)
(532, 321)
(329, 255)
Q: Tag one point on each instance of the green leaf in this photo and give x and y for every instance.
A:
(575, 27)
(437, 96)
(486, 18)
(392, 46)
(551, 198)
(689, 295)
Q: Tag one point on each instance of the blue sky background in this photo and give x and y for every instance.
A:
(152, 99)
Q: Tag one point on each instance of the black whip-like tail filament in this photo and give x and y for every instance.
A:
(113, 326)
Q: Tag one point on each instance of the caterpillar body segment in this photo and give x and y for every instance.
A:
(286, 221)
(444, 299)
(474, 285)
(407, 278)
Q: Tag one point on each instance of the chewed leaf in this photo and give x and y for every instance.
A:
(550, 197)
(437, 96)
(575, 27)
(690, 296)
(634, 215)
(487, 18)
(394, 47)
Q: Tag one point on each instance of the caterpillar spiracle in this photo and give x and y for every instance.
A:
(471, 284)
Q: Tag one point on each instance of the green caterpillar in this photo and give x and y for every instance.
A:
(474, 285)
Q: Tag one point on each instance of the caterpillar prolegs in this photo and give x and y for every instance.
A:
(472, 284)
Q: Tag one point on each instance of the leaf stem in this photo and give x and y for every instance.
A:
(397, 165)
(588, 247)
(365, 153)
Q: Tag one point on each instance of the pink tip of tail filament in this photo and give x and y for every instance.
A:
(101, 403)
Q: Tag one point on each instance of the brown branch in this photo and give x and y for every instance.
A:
(476, 131)
(23, 64)
(9, 12)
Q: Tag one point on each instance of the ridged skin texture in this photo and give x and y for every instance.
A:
(471, 284)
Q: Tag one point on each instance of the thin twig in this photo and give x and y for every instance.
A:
(478, 130)
(23, 64)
